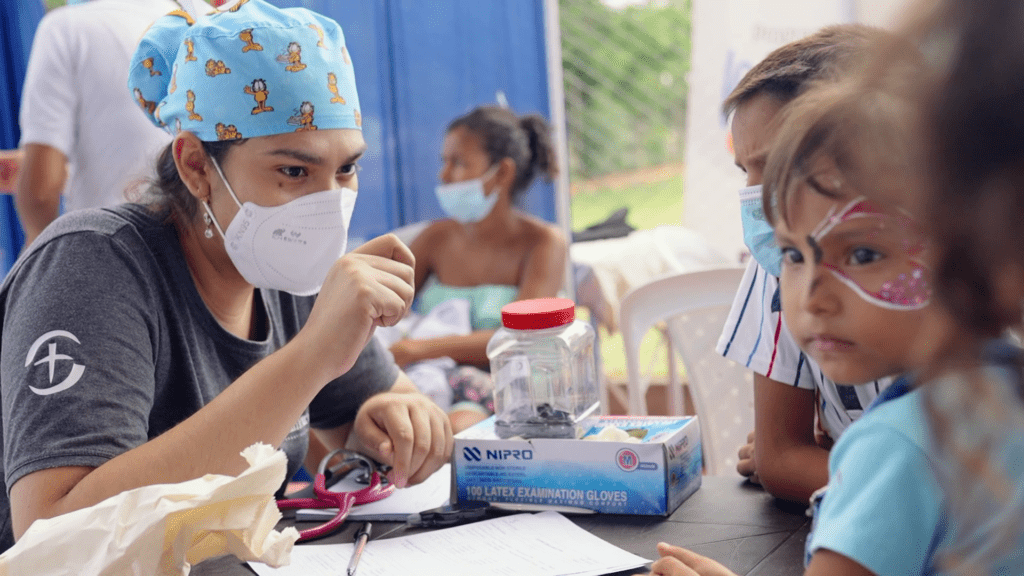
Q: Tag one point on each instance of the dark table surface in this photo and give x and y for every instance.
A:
(729, 520)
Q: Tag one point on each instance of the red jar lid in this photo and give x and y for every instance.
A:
(538, 313)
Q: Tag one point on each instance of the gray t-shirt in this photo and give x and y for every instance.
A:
(106, 344)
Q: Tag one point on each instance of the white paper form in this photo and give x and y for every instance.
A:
(431, 493)
(544, 544)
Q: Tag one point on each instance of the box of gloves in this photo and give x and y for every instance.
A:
(620, 465)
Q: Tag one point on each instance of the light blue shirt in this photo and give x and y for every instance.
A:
(884, 506)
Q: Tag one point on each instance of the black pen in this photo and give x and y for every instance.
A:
(361, 538)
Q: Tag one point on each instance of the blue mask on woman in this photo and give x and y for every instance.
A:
(467, 201)
(758, 234)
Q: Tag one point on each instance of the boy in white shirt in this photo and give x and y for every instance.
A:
(799, 413)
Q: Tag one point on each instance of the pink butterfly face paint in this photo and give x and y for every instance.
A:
(878, 255)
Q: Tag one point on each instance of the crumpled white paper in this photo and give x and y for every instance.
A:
(164, 529)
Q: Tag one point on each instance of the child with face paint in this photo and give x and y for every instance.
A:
(799, 411)
(183, 330)
(858, 295)
(487, 251)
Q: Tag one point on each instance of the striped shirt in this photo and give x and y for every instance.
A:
(755, 336)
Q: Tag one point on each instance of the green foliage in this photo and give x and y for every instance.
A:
(650, 204)
(625, 84)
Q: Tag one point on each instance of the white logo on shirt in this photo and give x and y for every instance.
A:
(51, 359)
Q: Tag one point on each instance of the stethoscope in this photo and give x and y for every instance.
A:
(369, 474)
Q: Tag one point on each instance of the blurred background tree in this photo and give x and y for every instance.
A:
(625, 84)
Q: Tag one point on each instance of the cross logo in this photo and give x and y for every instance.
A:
(51, 360)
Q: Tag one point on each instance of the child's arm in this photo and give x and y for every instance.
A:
(676, 561)
(789, 462)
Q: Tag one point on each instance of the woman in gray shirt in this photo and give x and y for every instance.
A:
(151, 343)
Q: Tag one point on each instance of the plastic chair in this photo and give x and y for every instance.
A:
(694, 305)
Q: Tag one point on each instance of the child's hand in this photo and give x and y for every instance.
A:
(676, 561)
(746, 466)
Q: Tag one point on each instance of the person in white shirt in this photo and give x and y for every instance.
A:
(81, 133)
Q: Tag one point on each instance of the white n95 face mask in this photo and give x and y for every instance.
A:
(290, 247)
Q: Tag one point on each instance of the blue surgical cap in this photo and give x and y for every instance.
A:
(250, 70)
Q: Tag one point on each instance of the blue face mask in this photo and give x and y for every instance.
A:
(758, 234)
(466, 201)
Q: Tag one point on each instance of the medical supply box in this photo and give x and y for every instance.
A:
(621, 465)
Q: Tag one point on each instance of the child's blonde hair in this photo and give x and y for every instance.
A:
(967, 59)
(864, 129)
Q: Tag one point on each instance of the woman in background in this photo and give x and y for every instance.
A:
(487, 251)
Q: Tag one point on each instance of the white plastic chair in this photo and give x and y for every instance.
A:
(694, 305)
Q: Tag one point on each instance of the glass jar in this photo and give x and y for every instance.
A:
(542, 361)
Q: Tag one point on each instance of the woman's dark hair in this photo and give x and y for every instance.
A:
(525, 139)
(168, 193)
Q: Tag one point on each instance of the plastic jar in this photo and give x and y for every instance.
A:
(542, 361)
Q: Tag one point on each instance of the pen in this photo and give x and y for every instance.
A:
(361, 538)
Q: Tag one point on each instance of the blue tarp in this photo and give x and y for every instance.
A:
(419, 65)
(18, 21)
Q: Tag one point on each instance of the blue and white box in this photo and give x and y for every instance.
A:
(651, 476)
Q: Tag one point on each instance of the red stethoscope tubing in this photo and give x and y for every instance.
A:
(343, 501)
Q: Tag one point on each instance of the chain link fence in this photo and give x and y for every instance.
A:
(625, 78)
(625, 75)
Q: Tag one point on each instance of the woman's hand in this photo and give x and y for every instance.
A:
(676, 561)
(406, 352)
(407, 431)
(747, 465)
(368, 287)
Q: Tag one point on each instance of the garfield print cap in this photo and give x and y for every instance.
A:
(248, 70)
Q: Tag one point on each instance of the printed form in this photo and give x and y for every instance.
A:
(543, 544)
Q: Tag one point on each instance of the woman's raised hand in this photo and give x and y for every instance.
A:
(368, 287)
